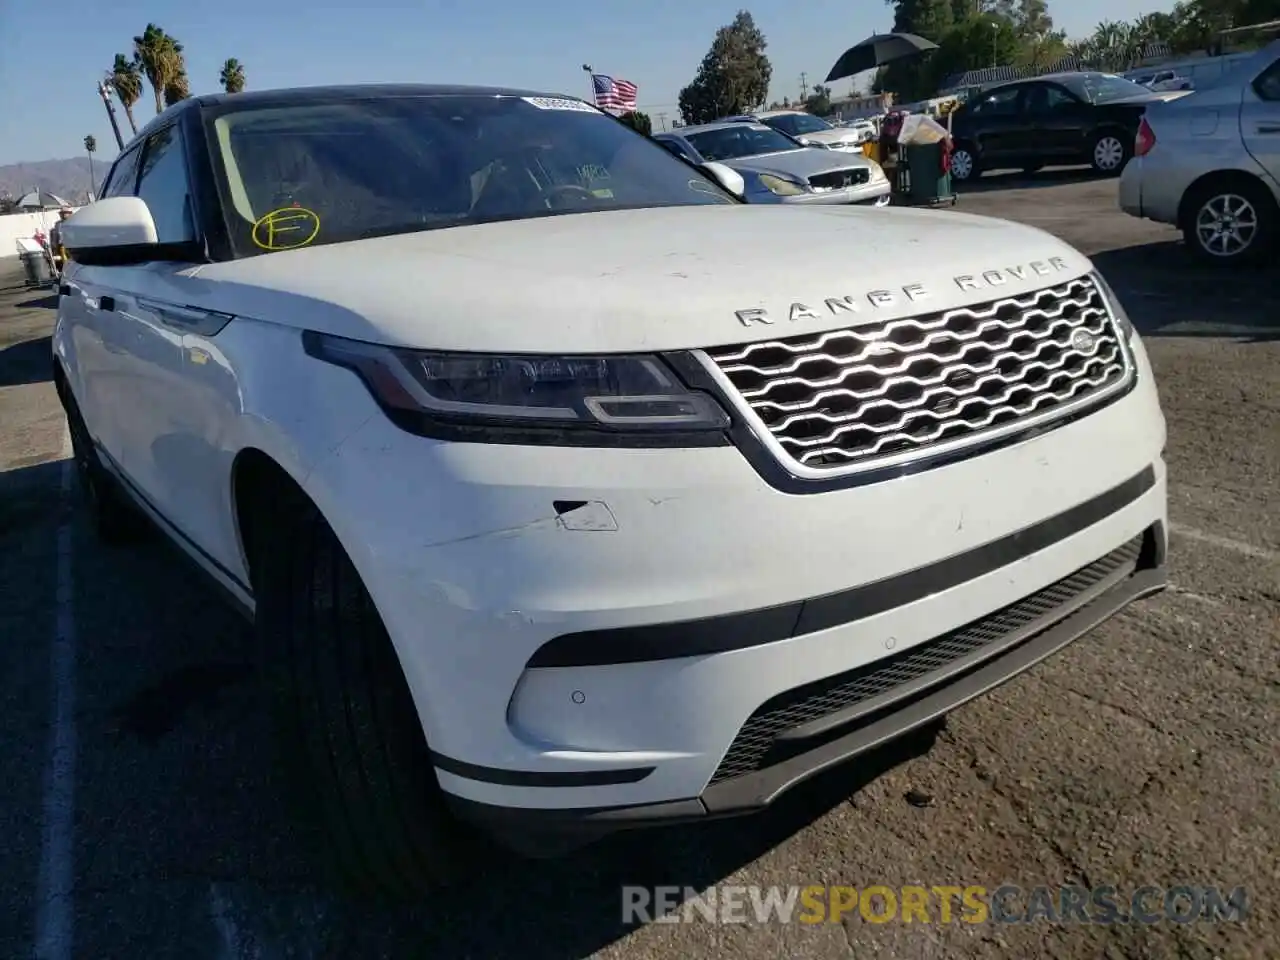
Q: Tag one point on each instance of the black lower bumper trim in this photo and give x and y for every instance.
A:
(539, 778)
(740, 631)
(552, 832)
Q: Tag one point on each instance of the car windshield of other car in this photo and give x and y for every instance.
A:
(740, 141)
(316, 172)
(798, 123)
(1099, 88)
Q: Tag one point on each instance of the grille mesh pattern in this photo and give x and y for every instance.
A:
(815, 701)
(840, 178)
(900, 386)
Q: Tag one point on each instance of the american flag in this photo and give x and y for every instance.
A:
(616, 96)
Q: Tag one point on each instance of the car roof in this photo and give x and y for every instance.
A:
(723, 125)
(285, 96)
(1052, 77)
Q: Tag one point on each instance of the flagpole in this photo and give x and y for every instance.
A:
(591, 79)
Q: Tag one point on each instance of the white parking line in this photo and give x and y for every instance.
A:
(55, 909)
(1226, 543)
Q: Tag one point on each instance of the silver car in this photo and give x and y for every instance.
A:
(1209, 163)
(778, 169)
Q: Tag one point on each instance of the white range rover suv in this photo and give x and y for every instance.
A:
(569, 493)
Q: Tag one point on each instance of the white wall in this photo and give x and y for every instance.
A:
(17, 225)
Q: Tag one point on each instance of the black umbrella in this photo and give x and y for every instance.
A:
(878, 50)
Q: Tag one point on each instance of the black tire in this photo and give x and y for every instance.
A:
(350, 736)
(1211, 195)
(965, 173)
(115, 520)
(1110, 152)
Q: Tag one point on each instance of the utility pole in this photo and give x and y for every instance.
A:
(104, 91)
(804, 86)
(662, 120)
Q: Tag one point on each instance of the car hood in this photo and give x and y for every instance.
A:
(637, 280)
(833, 138)
(799, 163)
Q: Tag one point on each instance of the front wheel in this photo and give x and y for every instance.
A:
(964, 163)
(1110, 153)
(351, 737)
(1230, 222)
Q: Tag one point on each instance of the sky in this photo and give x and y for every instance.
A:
(48, 102)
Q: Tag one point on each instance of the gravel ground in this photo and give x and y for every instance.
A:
(1143, 755)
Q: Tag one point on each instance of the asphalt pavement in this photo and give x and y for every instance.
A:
(141, 799)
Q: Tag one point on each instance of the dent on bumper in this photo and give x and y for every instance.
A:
(1136, 570)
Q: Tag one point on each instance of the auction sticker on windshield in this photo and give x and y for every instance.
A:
(560, 103)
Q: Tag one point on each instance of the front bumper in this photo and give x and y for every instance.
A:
(592, 628)
(863, 193)
(803, 732)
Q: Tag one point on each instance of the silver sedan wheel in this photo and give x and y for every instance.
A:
(962, 165)
(1108, 154)
(1226, 225)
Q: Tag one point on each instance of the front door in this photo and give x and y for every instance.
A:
(145, 348)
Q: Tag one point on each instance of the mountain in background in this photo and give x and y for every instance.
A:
(68, 179)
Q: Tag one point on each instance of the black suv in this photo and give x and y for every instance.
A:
(1060, 119)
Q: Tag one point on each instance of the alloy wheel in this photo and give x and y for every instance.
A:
(1226, 225)
(962, 165)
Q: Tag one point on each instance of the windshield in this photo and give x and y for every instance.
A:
(740, 140)
(317, 172)
(798, 123)
(1104, 88)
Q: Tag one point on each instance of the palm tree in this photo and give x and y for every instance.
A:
(178, 88)
(232, 76)
(91, 147)
(160, 58)
(127, 83)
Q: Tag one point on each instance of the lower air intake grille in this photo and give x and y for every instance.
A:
(751, 748)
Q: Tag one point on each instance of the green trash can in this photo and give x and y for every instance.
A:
(930, 183)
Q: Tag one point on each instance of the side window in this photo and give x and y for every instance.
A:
(672, 147)
(1046, 98)
(1002, 103)
(164, 186)
(123, 175)
(1267, 86)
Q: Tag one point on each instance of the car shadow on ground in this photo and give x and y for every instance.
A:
(30, 361)
(995, 180)
(1168, 292)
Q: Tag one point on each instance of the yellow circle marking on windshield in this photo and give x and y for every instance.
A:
(286, 228)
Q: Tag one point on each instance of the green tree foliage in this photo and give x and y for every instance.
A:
(232, 76)
(733, 76)
(159, 56)
(638, 121)
(819, 102)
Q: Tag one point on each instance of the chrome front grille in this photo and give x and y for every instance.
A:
(893, 390)
(840, 178)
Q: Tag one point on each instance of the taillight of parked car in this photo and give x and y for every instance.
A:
(1146, 139)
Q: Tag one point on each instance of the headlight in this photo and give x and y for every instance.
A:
(544, 399)
(781, 187)
(1117, 309)
(877, 172)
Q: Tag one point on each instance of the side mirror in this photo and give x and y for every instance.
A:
(727, 177)
(117, 231)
